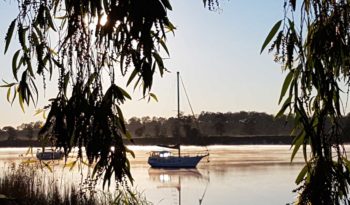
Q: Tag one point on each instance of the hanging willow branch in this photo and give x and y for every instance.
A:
(81, 40)
(314, 50)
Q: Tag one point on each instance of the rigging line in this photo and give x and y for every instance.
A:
(188, 100)
(205, 191)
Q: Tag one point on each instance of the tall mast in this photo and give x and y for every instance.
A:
(178, 95)
(178, 108)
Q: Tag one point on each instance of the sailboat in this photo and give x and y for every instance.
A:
(49, 154)
(165, 159)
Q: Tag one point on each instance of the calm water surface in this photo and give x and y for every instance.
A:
(231, 175)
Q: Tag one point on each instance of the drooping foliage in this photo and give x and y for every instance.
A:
(312, 44)
(88, 43)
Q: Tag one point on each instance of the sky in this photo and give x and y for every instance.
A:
(217, 55)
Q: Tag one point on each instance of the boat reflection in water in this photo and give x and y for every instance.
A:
(173, 178)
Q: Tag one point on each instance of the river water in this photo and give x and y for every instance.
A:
(231, 175)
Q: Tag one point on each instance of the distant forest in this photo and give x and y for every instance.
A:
(210, 124)
(206, 124)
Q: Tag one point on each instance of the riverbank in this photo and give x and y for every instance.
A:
(217, 140)
(27, 184)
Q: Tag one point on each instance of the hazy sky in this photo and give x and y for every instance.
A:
(217, 54)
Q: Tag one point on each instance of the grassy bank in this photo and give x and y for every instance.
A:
(25, 185)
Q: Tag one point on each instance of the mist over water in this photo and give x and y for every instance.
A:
(255, 174)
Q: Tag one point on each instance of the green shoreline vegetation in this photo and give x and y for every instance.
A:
(208, 128)
(24, 184)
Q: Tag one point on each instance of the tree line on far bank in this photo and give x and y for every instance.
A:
(25, 131)
(206, 124)
(210, 124)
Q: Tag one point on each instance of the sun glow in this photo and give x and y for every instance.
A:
(92, 21)
(103, 20)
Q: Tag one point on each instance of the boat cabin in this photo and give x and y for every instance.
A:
(162, 154)
(49, 154)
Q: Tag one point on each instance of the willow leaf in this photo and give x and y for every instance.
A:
(125, 94)
(137, 82)
(153, 96)
(70, 165)
(286, 104)
(9, 34)
(8, 94)
(130, 151)
(7, 85)
(15, 91)
(159, 61)
(302, 174)
(14, 64)
(297, 142)
(29, 64)
(21, 100)
(271, 35)
(132, 76)
(22, 37)
(162, 43)
(121, 119)
(128, 136)
(46, 165)
(38, 111)
(286, 84)
(49, 18)
(170, 26)
(167, 5)
(306, 142)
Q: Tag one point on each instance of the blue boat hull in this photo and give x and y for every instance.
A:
(49, 155)
(174, 162)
